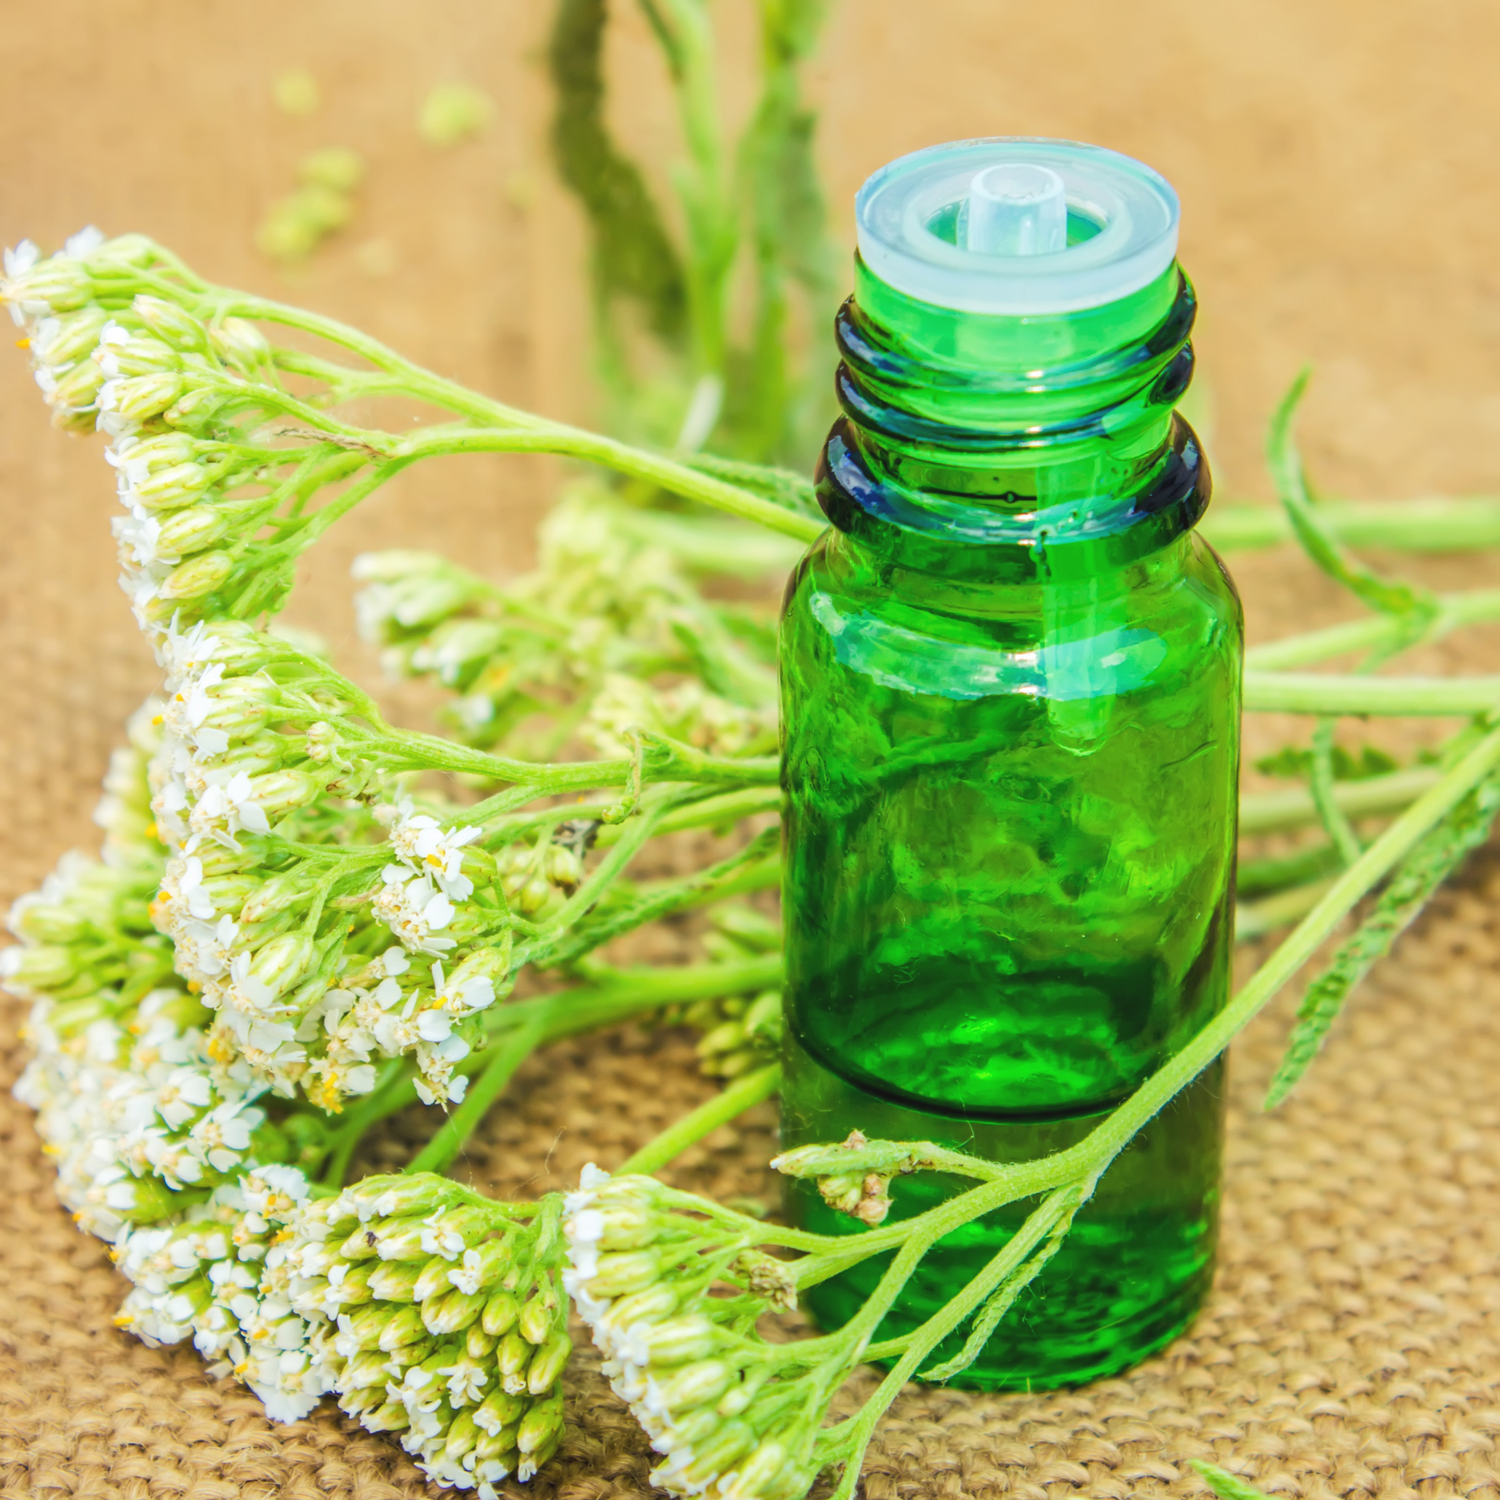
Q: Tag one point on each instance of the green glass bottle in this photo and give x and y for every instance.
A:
(1010, 715)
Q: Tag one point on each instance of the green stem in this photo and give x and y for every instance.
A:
(1254, 919)
(504, 1058)
(1409, 526)
(1321, 784)
(1371, 633)
(850, 1440)
(572, 442)
(1293, 807)
(1317, 693)
(708, 1116)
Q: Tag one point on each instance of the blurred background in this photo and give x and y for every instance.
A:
(1336, 163)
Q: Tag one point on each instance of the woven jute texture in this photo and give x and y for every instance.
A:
(1350, 1346)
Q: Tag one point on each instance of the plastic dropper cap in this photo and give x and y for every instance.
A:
(1017, 208)
(1017, 226)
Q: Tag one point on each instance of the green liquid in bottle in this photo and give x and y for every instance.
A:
(1010, 683)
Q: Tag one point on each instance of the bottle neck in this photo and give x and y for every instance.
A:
(1009, 448)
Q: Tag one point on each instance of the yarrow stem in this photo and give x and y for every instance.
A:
(708, 1116)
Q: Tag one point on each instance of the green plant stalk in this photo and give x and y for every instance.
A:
(1371, 633)
(1434, 525)
(1293, 807)
(848, 1441)
(1254, 919)
(1316, 693)
(692, 1127)
(504, 1059)
(1321, 784)
(498, 428)
(702, 184)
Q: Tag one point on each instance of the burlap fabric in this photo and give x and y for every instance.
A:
(1350, 1347)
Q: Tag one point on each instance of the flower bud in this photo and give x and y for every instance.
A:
(227, 892)
(723, 1038)
(368, 1324)
(534, 895)
(216, 861)
(536, 1320)
(659, 1301)
(713, 1455)
(480, 866)
(431, 1280)
(42, 968)
(277, 894)
(195, 406)
(681, 1340)
(353, 1288)
(135, 355)
(392, 1417)
(198, 576)
(60, 341)
(759, 1475)
(240, 344)
(366, 1371)
(78, 386)
(623, 1272)
(499, 1410)
(411, 1354)
(500, 1314)
(75, 419)
(695, 1385)
(533, 1461)
(61, 282)
(763, 1019)
(452, 1311)
(48, 922)
(399, 1239)
(280, 791)
(628, 1226)
(169, 488)
(547, 1363)
(138, 398)
(403, 1326)
(174, 324)
(542, 1422)
(283, 961)
(395, 1280)
(357, 1400)
(461, 1436)
(393, 1197)
(481, 1267)
(562, 866)
(477, 1343)
(500, 1446)
(190, 531)
(513, 1356)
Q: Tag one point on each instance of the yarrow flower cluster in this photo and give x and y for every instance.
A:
(734, 1417)
(607, 609)
(438, 1315)
(282, 922)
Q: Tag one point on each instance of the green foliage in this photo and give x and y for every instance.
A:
(632, 256)
(1225, 1485)
(1410, 889)
(1295, 764)
(726, 306)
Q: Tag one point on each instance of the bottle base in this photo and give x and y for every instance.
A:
(1129, 1277)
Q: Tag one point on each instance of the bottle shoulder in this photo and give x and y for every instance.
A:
(1171, 622)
